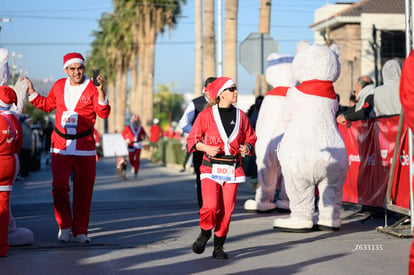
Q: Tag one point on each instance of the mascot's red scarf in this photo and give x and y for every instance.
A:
(323, 88)
(279, 91)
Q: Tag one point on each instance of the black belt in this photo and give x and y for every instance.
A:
(221, 159)
(68, 136)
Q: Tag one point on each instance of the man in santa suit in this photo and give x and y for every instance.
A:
(10, 144)
(134, 134)
(407, 102)
(223, 132)
(77, 102)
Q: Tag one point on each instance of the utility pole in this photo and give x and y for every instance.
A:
(220, 39)
(264, 28)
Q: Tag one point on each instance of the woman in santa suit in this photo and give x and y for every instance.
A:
(134, 134)
(224, 133)
(10, 144)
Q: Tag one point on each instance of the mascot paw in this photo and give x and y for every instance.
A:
(265, 206)
(250, 206)
(329, 225)
(293, 225)
(21, 236)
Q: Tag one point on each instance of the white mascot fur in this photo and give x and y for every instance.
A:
(312, 152)
(17, 235)
(269, 130)
(270, 127)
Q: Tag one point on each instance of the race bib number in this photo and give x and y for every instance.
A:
(138, 145)
(223, 172)
(69, 119)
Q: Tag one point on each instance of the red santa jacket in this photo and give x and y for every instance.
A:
(10, 133)
(78, 140)
(407, 90)
(155, 133)
(10, 144)
(133, 137)
(208, 129)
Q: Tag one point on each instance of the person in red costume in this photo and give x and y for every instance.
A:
(224, 133)
(10, 144)
(77, 103)
(407, 102)
(97, 138)
(155, 132)
(134, 134)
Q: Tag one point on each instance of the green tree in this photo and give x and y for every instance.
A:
(125, 45)
(168, 106)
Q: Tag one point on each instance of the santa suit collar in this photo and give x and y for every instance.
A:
(134, 131)
(322, 88)
(222, 131)
(72, 94)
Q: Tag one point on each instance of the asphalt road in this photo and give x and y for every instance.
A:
(147, 226)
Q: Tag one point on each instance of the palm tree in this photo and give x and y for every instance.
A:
(152, 16)
(126, 45)
(198, 75)
(230, 44)
(100, 57)
(264, 27)
(209, 39)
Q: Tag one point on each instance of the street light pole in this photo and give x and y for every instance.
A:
(5, 20)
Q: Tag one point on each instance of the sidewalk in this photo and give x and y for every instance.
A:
(147, 226)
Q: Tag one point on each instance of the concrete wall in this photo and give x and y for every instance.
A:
(348, 39)
(381, 22)
(355, 40)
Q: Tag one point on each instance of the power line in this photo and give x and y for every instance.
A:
(43, 17)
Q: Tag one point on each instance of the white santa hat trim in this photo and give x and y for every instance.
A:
(229, 83)
(4, 104)
(73, 60)
(218, 86)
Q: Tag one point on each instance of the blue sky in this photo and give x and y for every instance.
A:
(43, 31)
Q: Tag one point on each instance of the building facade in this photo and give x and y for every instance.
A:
(368, 32)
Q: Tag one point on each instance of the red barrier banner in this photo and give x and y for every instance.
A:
(400, 194)
(370, 146)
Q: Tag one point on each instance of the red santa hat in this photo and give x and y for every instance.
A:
(71, 58)
(218, 86)
(134, 118)
(7, 97)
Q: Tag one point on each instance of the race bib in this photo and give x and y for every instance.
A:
(69, 119)
(223, 172)
(138, 145)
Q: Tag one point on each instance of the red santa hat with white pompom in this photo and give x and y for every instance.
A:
(7, 97)
(71, 58)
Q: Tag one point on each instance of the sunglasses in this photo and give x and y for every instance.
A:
(231, 89)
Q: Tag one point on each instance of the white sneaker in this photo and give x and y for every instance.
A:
(64, 235)
(82, 238)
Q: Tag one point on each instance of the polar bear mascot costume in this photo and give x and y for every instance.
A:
(269, 130)
(17, 236)
(312, 152)
(270, 127)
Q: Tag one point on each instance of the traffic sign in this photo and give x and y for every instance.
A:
(254, 51)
